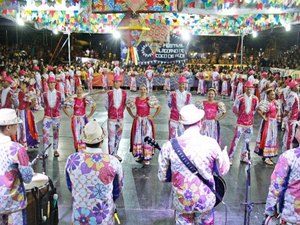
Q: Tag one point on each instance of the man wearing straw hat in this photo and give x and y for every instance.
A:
(94, 178)
(192, 199)
(14, 170)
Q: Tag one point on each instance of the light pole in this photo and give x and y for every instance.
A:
(242, 47)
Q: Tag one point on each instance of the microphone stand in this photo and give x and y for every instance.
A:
(248, 203)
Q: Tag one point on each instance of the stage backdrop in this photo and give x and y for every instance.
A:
(173, 52)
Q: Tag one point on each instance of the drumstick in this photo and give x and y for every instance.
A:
(48, 209)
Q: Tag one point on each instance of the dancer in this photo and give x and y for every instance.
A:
(79, 118)
(177, 99)
(9, 98)
(115, 105)
(143, 125)
(27, 134)
(214, 112)
(149, 73)
(291, 112)
(201, 83)
(132, 75)
(215, 77)
(90, 77)
(52, 99)
(267, 141)
(167, 84)
(244, 108)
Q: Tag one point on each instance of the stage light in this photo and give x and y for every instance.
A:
(287, 27)
(185, 35)
(116, 34)
(19, 20)
(254, 34)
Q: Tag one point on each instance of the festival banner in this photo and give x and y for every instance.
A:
(174, 51)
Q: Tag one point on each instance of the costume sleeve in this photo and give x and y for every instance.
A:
(289, 102)
(199, 104)
(236, 106)
(118, 180)
(221, 108)
(278, 178)
(263, 106)
(89, 101)
(130, 103)
(22, 160)
(164, 162)
(153, 102)
(69, 103)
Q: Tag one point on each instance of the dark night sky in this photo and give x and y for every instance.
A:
(274, 37)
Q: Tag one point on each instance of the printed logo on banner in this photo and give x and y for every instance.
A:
(173, 52)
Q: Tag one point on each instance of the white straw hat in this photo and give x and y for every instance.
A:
(92, 133)
(8, 117)
(190, 114)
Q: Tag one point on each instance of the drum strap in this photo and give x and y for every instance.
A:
(185, 160)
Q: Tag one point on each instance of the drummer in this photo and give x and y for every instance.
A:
(14, 168)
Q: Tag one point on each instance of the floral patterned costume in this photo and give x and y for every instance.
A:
(12, 191)
(95, 180)
(286, 174)
(193, 200)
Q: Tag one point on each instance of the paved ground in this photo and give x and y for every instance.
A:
(145, 199)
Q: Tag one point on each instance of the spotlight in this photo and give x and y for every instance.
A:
(19, 20)
(185, 35)
(287, 27)
(116, 34)
(254, 34)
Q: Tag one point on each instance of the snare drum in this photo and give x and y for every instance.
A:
(38, 186)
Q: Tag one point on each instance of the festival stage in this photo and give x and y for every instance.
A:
(146, 200)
